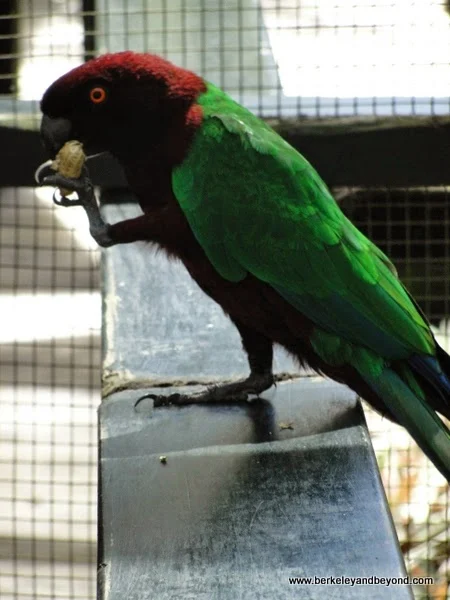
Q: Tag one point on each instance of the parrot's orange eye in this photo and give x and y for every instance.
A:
(97, 95)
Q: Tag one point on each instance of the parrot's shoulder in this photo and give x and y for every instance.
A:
(231, 131)
(223, 118)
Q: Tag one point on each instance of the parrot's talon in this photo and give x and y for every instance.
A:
(43, 167)
(160, 400)
(145, 397)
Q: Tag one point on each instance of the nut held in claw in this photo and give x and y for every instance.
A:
(69, 162)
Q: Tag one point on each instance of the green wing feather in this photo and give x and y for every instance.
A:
(257, 206)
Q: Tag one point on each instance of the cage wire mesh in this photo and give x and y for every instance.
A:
(49, 354)
(281, 58)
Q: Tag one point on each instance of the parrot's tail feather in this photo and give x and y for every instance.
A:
(443, 358)
(444, 361)
(434, 372)
(417, 415)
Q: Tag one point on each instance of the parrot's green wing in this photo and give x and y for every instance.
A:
(256, 205)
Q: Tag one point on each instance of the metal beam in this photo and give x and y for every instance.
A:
(395, 152)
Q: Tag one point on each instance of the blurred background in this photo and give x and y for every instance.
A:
(283, 59)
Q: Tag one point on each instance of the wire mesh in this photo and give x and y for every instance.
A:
(49, 378)
(328, 58)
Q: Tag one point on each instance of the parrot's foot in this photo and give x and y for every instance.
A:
(238, 391)
(81, 184)
(99, 230)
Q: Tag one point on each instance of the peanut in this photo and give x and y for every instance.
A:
(69, 162)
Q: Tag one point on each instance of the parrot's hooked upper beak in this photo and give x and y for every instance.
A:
(55, 133)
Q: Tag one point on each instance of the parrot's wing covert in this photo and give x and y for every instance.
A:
(256, 205)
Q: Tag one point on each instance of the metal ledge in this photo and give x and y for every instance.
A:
(248, 496)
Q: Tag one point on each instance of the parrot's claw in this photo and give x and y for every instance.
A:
(238, 391)
(160, 400)
(99, 230)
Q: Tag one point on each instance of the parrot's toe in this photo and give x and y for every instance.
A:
(238, 391)
(67, 183)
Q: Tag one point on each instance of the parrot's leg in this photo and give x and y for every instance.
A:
(86, 198)
(105, 234)
(260, 355)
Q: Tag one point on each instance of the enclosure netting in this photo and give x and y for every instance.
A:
(328, 58)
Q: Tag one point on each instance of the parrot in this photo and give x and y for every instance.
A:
(260, 233)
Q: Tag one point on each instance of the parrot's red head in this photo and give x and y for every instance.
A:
(126, 103)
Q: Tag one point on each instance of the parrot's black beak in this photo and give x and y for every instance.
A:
(55, 133)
